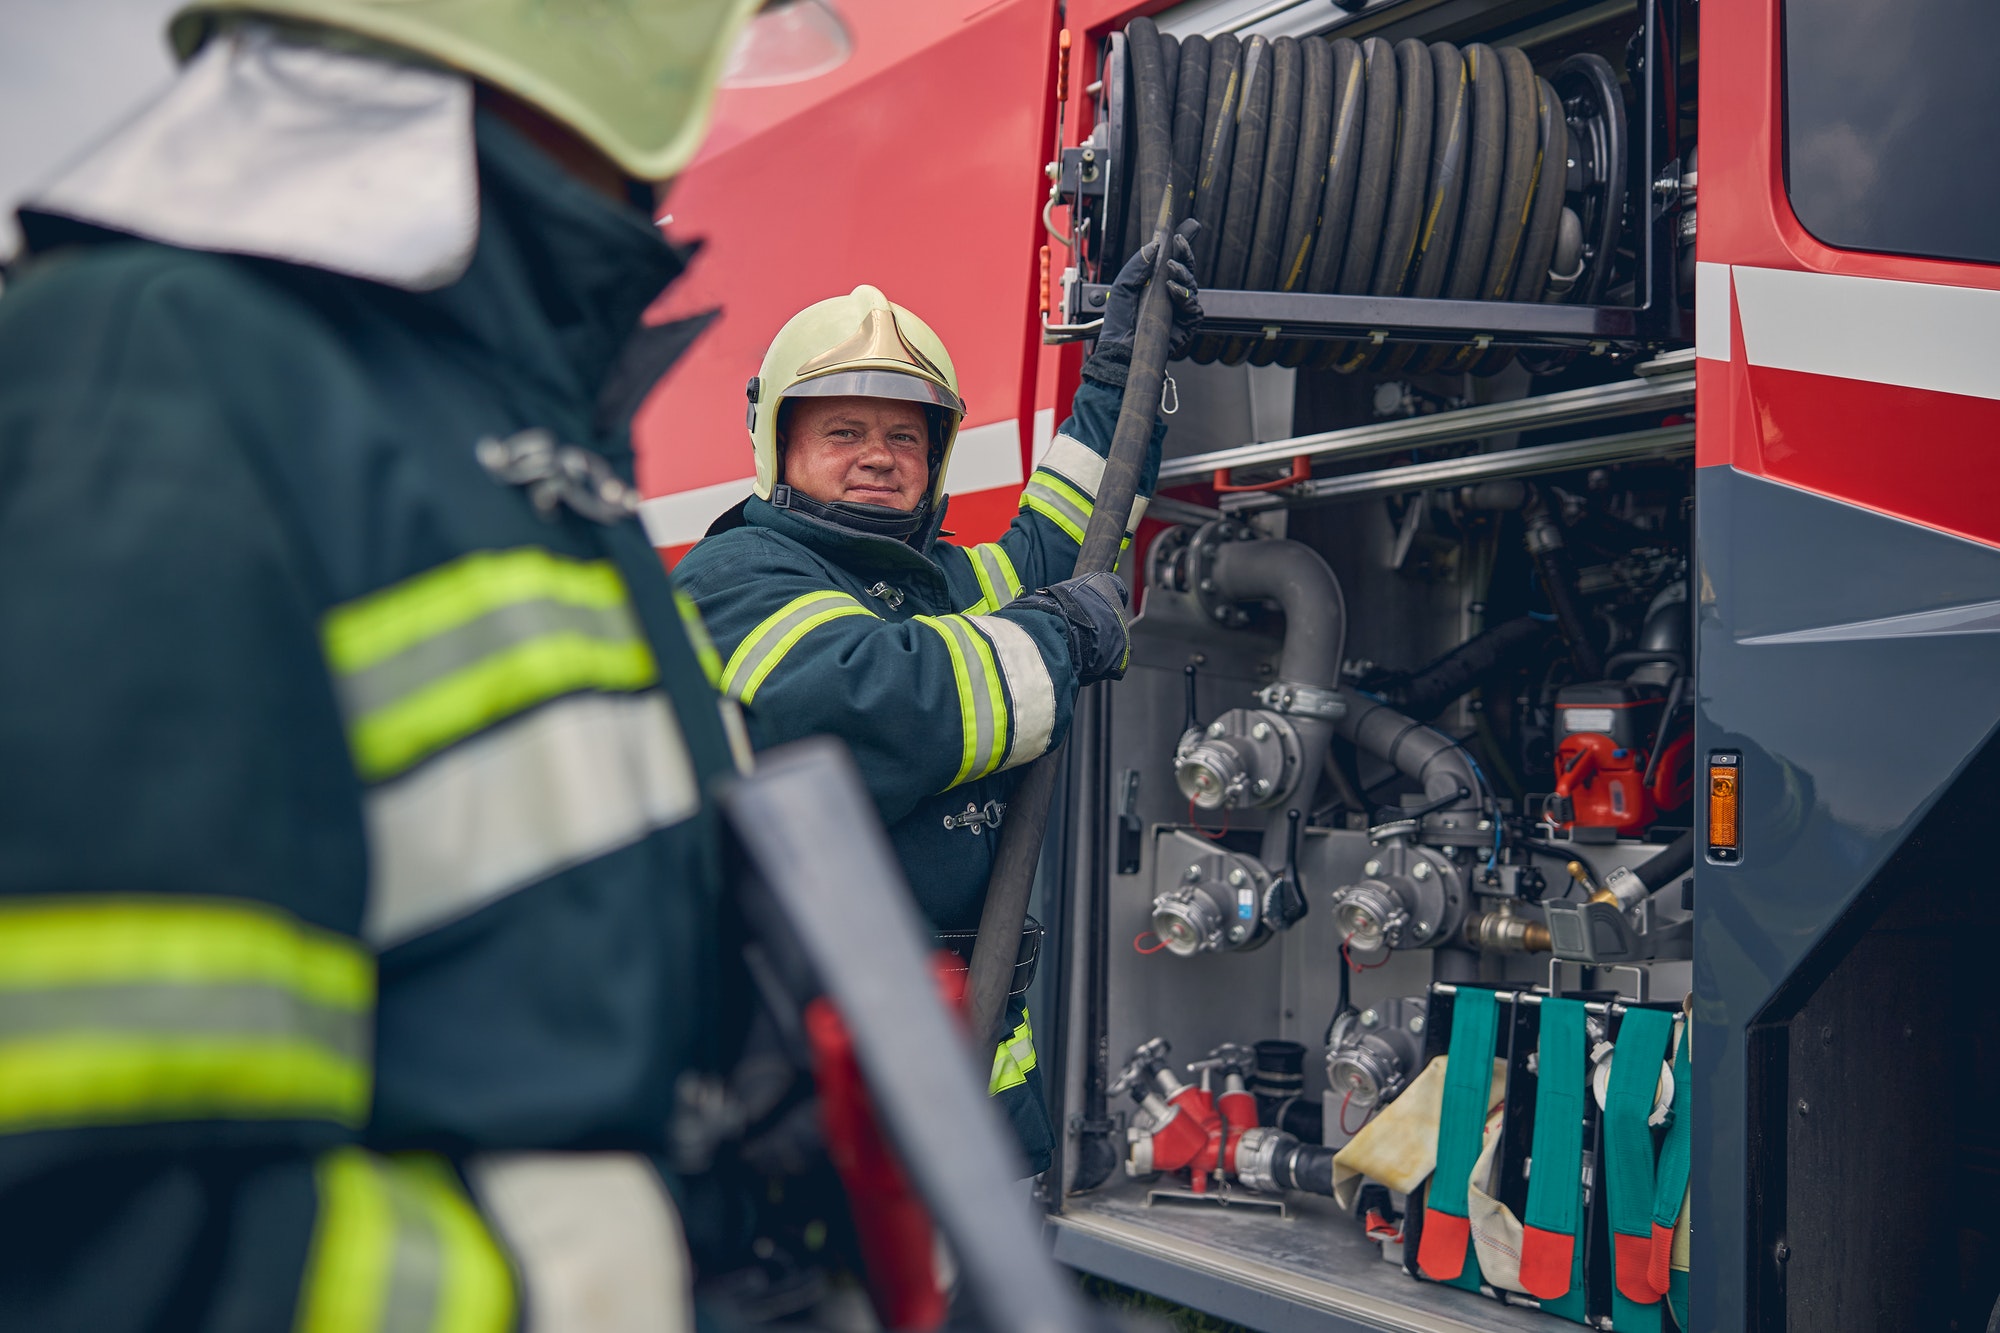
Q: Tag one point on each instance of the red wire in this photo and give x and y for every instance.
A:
(1353, 966)
(1142, 948)
(1217, 834)
(1364, 1119)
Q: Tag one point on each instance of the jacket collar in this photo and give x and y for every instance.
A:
(857, 553)
(560, 280)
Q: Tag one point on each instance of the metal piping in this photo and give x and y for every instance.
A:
(1424, 755)
(1297, 578)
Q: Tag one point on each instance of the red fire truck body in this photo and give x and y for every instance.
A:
(1842, 571)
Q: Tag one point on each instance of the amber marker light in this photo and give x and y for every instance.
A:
(1725, 769)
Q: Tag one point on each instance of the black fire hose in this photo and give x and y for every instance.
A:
(1427, 691)
(1028, 813)
(1669, 864)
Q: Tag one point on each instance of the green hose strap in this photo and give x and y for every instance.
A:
(1628, 1148)
(1552, 1225)
(1671, 1176)
(1445, 1250)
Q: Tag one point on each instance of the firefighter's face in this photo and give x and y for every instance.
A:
(873, 451)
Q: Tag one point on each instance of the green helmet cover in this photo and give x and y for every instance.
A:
(633, 77)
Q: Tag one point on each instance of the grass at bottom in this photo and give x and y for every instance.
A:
(1180, 1317)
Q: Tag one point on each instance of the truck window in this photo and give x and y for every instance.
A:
(1890, 116)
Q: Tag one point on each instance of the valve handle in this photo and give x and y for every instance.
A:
(1192, 719)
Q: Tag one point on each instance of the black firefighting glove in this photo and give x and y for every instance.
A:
(1113, 357)
(1093, 611)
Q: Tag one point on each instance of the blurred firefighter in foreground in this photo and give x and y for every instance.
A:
(841, 610)
(360, 893)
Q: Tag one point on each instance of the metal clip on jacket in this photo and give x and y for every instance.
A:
(978, 818)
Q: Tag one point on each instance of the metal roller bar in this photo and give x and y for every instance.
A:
(1397, 318)
(1661, 393)
(1636, 446)
(1612, 1007)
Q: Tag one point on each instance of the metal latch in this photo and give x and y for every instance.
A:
(892, 596)
(1288, 696)
(977, 818)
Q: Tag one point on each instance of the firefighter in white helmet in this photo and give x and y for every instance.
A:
(358, 886)
(840, 610)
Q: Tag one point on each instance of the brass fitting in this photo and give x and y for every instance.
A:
(1503, 932)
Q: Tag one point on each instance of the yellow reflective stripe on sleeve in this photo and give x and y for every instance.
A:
(982, 699)
(435, 658)
(398, 1248)
(698, 636)
(1059, 502)
(1013, 1059)
(759, 654)
(133, 1010)
(998, 583)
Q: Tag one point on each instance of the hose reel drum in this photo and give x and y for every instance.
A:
(1461, 178)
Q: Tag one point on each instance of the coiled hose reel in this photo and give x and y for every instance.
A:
(1361, 168)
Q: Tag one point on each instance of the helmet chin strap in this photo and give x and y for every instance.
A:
(868, 520)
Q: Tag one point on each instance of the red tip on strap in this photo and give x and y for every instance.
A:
(1548, 1260)
(1631, 1257)
(1659, 1272)
(1441, 1252)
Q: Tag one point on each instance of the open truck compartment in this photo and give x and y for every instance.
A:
(1410, 710)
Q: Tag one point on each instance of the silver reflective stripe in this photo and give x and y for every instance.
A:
(596, 1239)
(971, 655)
(1075, 462)
(433, 659)
(416, 1278)
(1031, 691)
(1057, 502)
(1082, 467)
(568, 782)
(998, 582)
(205, 1009)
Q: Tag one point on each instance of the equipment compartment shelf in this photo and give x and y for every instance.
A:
(1311, 1273)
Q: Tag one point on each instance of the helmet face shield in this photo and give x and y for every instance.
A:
(789, 41)
(878, 384)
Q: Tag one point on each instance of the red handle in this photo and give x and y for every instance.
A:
(1301, 471)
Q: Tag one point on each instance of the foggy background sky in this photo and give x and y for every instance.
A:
(70, 70)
